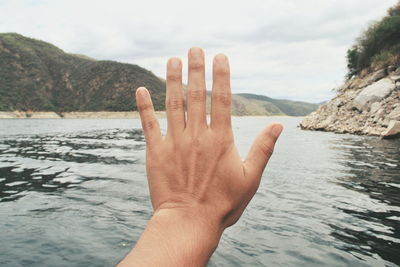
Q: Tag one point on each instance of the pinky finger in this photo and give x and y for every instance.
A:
(150, 123)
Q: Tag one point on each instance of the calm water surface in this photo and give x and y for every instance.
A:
(74, 193)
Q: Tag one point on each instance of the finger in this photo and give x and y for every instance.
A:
(196, 92)
(221, 93)
(261, 151)
(174, 99)
(150, 124)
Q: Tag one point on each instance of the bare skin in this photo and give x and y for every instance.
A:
(198, 183)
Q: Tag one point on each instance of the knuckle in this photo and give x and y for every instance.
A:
(223, 98)
(149, 125)
(174, 103)
(174, 77)
(196, 66)
(144, 107)
(227, 207)
(197, 95)
(195, 142)
(224, 141)
(266, 149)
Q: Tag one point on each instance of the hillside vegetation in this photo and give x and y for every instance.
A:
(278, 106)
(38, 76)
(369, 101)
(378, 46)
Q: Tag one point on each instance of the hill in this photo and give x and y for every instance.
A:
(377, 47)
(369, 101)
(278, 106)
(38, 76)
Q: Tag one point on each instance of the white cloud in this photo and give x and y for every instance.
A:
(286, 49)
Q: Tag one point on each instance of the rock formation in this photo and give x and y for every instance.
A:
(368, 104)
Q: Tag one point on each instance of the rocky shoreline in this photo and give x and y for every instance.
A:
(73, 115)
(368, 104)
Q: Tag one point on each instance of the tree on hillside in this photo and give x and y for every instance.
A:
(378, 46)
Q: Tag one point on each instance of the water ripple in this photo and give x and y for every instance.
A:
(74, 193)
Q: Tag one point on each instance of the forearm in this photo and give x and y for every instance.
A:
(175, 238)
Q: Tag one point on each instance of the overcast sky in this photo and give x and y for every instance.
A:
(293, 49)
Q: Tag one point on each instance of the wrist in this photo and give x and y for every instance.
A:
(175, 237)
(197, 234)
(194, 223)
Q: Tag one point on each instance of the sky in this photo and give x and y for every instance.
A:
(290, 49)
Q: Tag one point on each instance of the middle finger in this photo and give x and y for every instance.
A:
(196, 91)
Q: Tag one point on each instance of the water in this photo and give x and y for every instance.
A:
(74, 193)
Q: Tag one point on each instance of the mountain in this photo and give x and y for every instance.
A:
(38, 76)
(35, 75)
(276, 106)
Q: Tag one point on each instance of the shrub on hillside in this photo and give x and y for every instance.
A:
(378, 46)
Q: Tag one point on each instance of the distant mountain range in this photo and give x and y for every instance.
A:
(38, 76)
(251, 104)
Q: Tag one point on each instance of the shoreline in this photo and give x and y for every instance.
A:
(90, 115)
(74, 115)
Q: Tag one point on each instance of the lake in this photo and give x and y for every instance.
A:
(73, 192)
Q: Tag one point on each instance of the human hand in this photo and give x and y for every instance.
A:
(196, 177)
(196, 167)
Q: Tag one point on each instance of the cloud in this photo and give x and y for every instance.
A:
(285, 49)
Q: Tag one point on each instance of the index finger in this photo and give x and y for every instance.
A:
(150, 123)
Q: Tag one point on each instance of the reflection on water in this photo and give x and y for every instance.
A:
(374, 170)
(82, 147)
(74, 193)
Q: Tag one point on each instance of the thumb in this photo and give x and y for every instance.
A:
(261, 151)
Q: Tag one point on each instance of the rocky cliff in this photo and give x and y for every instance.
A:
(368, 104)
(369, 101)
